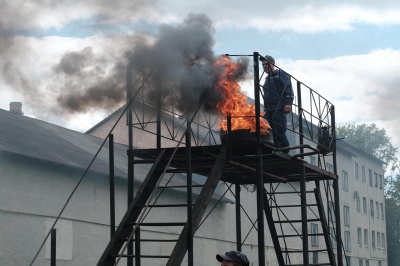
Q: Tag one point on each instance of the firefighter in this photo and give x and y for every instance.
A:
(278, 99)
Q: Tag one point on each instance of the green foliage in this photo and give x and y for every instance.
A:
(370, 139)
(393, 230)
(374, 140)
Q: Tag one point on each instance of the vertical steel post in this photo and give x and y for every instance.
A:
(303, 193)
(53, 245)
(129, 89)
(112, 187)
(336, 193)
(158, 125)
(189, 191)
(259, 166)
(238, 219)
(228, 134)
(304, 224)
(300, 112)
(137, 247)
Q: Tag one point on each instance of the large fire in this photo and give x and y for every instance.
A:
(233, 102)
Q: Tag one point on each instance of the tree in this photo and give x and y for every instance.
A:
(392, 207)
(374, 141)
(370, 139)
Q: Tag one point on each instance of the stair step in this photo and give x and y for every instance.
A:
(301, 251)
(292, 206)
(312, 264)
(163, 205)
(300, 235)
(178, 186)
(296, 221)
(163, 224)
(141, 256)
(157, 240)
(287, 192)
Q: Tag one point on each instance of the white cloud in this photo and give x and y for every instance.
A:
(307, 16)
(363, 88)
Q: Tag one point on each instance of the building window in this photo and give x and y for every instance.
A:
(357, 196)
(311, 160)
(315, 258)
(329, 167)
(378, 239)
(383, 241)
(331, 207)
(380, 182)
(347, 243)
(359, 240)
(380, 263)
(356, 171)
(365, 205)
(365, 237)
(360, 262)
(314, 236)
(346, 215)
(348, 260)
(377, 209)
(332, 235)
(382, 213)
(371, 207)
(376, 179)
(370, 177)
(363, 173)
(366, 262)
(373, 239)
(345, 181)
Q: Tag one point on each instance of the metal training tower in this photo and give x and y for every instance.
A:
(297, 198)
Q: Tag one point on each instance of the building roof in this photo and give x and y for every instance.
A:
(40, 140)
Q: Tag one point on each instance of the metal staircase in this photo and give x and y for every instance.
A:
(287, 220)
(131, 221)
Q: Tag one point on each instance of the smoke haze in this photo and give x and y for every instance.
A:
(181, 56)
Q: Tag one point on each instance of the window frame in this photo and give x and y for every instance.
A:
(346, 215)
(347, 240)
(370, 178)
(366, 237)
(363, 179)
(345, 180)
(314, 238)
(371, 208)
(356, 175)
(365, 207)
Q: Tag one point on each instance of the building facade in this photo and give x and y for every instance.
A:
(42, 163)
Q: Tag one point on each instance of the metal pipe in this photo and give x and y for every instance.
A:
(228, 134)
(238, 219)
(259, 169)
(158, 88)
(304, 227)
(53, 249)
(129, 88)
(300, 111)
(137, 247)
(336, 193)
(112, 187)
(248, 168)
(189, 192)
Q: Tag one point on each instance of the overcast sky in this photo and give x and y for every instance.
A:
(348, 51)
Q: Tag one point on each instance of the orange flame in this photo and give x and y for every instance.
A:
(233, 102)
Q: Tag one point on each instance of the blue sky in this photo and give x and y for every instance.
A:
(348, 51)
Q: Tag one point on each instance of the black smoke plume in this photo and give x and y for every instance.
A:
(180, 57)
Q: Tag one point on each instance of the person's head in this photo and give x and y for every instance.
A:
(233, 258)
(268, 63)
